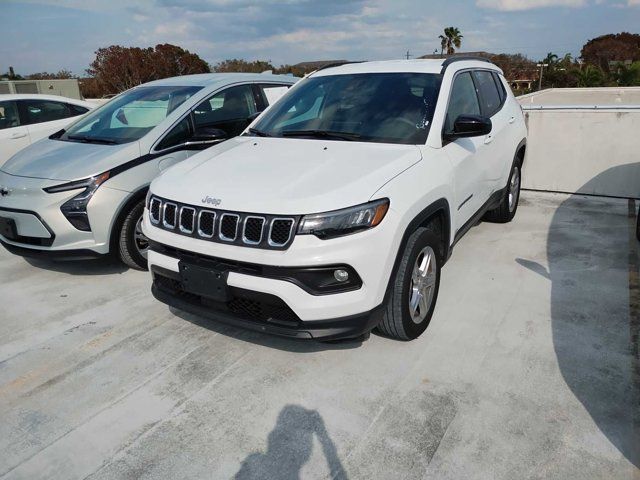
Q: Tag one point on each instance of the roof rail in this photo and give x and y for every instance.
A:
(462, 58)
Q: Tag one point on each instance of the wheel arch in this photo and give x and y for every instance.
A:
(439, 212)
(131, 200)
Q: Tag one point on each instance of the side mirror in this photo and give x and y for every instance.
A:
(467, 126)
(207, 136)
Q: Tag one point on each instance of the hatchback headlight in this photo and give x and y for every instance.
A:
(75, 210)
(343, 222)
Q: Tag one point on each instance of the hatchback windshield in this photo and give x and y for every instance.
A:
(130, 116)
(366, 107)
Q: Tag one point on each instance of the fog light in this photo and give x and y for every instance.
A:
(341, 275)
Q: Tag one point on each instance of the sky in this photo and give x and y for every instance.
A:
(49, 35)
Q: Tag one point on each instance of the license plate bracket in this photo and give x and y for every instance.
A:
(8, 228)
(206, 282)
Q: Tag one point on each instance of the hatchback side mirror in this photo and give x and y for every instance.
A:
(467, 126)
(207, 136)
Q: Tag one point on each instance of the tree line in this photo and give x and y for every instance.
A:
(608, 60)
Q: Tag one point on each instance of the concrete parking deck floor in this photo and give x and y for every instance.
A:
(528, 370)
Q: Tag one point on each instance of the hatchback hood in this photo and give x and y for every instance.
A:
(285, 176)
(67, 161)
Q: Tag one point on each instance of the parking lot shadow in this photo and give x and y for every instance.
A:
(101, 266)
(266, 340)
(591, 252)
(289, 447)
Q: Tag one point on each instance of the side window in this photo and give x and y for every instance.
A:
(501, 90)
(463, 100)
(39, 111)
(9, 115)
(76, 109)
(272, 93)
(488, 91)
(230, 105)
(177, 135)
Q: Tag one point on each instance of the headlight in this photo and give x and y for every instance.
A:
(75, 210)
(345, 221)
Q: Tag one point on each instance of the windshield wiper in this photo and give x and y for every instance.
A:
(88, 139)
(259, 133)
(322, 134)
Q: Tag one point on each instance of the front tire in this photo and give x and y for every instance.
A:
(509, 204)
(415, 286)
(132, 243)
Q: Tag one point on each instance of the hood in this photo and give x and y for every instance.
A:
(67, 161)
(284, 175)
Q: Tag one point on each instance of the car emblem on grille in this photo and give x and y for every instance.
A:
(211, 201)
(4, 191)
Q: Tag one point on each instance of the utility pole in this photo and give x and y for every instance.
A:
(407, 55)
(541, 65)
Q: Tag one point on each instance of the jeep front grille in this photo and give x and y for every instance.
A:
(238, 228)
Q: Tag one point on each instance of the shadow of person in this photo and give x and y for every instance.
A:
(289, 447)
(589, 246)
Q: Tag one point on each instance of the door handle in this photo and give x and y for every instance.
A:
(488, 139)
(16, 135)
(512, 119)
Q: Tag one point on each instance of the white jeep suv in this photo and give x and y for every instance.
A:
(334, 213)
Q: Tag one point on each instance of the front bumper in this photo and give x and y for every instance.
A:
(42, 229)
(259, 312)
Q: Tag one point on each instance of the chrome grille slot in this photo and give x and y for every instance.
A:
(280, 231)
(187, 219)
(228, 229)
(169, 215)
(206, 223)
(155, 207)
(252, 232)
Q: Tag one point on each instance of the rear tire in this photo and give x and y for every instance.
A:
(415, 286)
(509, 204)
(132, 244)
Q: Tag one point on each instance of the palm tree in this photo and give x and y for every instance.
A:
(590, 76)
(451, 40)
(550, 59)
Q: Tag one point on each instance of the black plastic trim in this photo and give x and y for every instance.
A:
(463, 58)
(42, 242)
(78, 254)
(331, 329)
(493, 202)
(287, 274)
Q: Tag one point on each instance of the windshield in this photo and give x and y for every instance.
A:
(130, 116)
(366, 107)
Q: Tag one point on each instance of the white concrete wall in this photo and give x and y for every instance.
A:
(592, 149)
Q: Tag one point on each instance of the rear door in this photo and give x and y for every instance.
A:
(14, 135)
(468, 156)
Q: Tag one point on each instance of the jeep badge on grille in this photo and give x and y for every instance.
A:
(211, 201)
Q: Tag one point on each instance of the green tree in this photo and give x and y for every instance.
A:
(627, 75)
(240, 65)
(61, 75)
(590, 76)
(451, 40)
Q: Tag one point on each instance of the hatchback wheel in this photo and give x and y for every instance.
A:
(133, 244)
